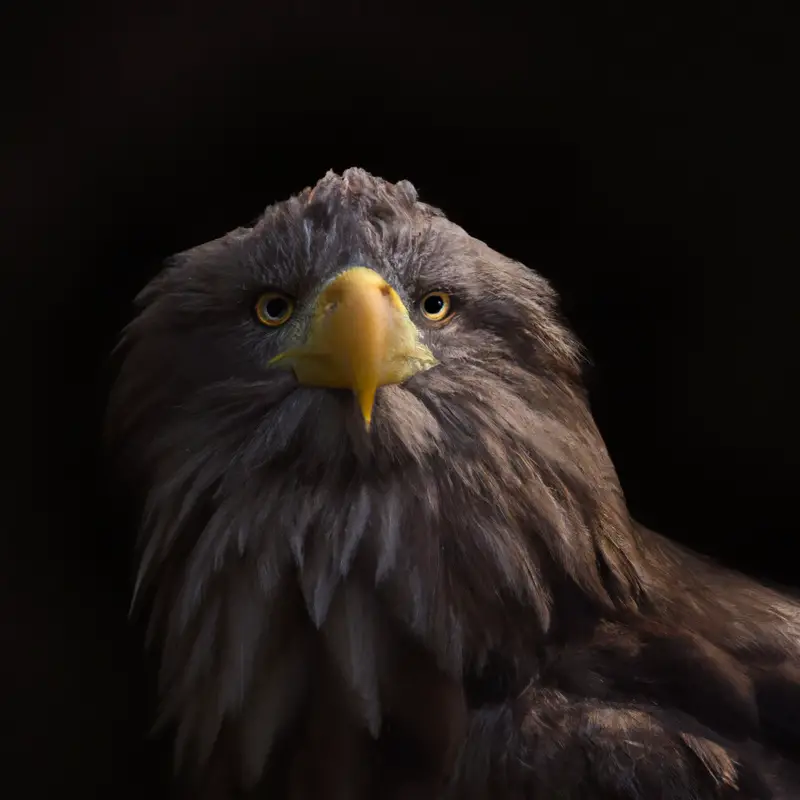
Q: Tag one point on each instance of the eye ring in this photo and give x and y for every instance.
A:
(436, 306)
(273, 309)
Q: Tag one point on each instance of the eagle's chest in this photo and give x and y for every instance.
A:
(337, 622)
(334, 707)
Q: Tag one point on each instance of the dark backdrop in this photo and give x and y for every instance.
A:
(637, 155)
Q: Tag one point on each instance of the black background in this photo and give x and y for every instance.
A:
(637, 154)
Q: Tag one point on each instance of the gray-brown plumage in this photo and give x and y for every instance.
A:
(441, 595)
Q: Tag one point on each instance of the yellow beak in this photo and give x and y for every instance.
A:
(361, 337)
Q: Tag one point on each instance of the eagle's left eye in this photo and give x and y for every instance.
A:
(436, 306)
(274, 309)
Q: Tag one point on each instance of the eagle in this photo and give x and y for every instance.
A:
(384, 552)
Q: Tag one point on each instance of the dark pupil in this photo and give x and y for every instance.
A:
(275, 308)
(433, 304)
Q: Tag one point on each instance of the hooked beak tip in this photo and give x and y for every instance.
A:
(366, 402)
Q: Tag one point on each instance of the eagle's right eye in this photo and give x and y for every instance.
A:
(274, 309)
(436, 306)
